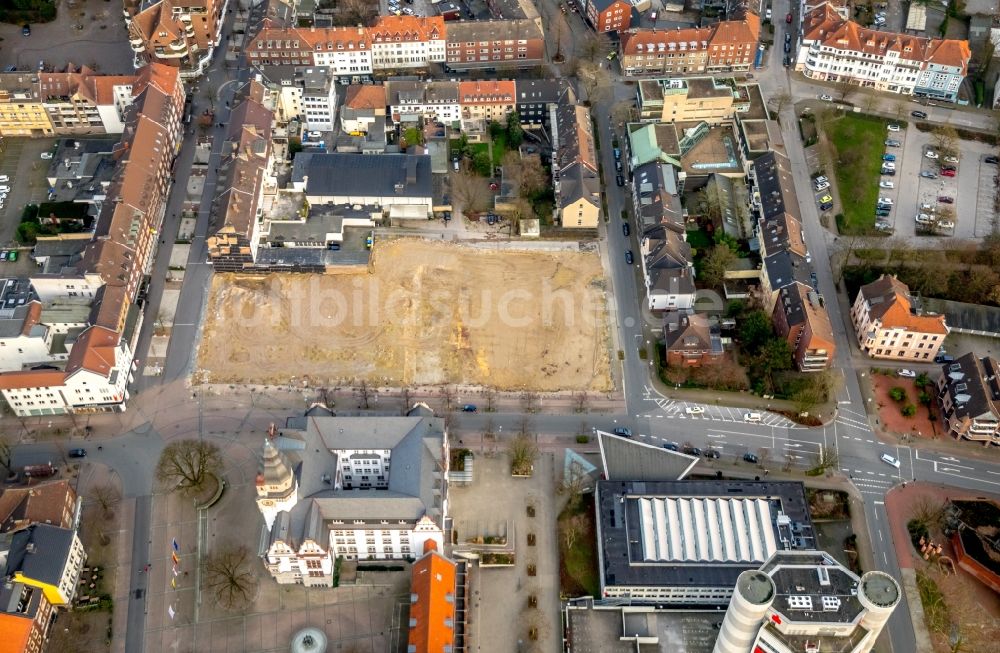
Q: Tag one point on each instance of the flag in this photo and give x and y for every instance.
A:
(174, 557)
(170, 611)
(173, 583)
(175, 570)
(175, 545)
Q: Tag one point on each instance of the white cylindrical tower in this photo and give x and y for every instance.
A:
(752, 597)
(879, 595)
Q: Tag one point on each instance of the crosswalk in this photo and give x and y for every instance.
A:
(871, 483)
(675, 409)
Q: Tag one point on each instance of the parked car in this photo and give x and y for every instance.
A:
(886, 184)
(712, 453)
(821, 179)
(26, 30)
(893, 127)
(788, 18)
(907, 374)
(625, 228)
(951, 159)
(823, 186)
(13, 256)
(944, 199)
(948, 172)
(888, 157)
(892, 143)
(77, 453)
(826, 98)
(885, 200)
(924, 219)
(889, 164)
(628, 257)
(931, 154)
(618, 154)
(944, 358)
(46, 155)
(992, 159)
(945, 224)
(751, 417)
(751, 458)
(3, 255)
(695, 410)
(692, 451)
(4, 178)
(621, 431)
(620, 180)
(618, 165)
(671, 446)
(469, 408)
(890, 172)
(919, 114)
(926, 174)
(826, 206)
(787, 61)
(825, 199)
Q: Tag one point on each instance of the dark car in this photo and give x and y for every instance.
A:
(671, 446)
(712, 453)
(944, 199)
(618, 165)
(751, 458)
(446, 216)
(787, 61)
(943, 358)
(333, 247)
(77, 453)
(826, 207)
(619, 180)
(625, 229)
(692, 451)
(618, 154)
(469, 408)
(992, 159)
(622, 432)
(788, 18)
(918, 114)
(628, 257)
(26, 30)
(788, 46)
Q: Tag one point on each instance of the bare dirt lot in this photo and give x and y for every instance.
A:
(423, 314)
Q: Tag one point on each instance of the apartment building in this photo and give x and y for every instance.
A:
(798, 599)
(179, 33)
(99, 364)
(345, 51)
(25, 618)
(691, 340)
(306, 94)
(969, 397)
(575, 176)
(726, 46)
(890, 324)
(47, 557)
(480, 44)
(83, 102)
(800, 318)
(667, 269)
(434, 594)
(364, 109)
(691, 99)
(436, 101)
(246, 176)
(36, 332)
(21, 110)
(535, 100)
(834, 49)
(369, 488)
(51, 502)
(607, 15)
(399, 42)
(483, 102)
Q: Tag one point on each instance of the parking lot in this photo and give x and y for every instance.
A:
(21, 161)
(919, 186)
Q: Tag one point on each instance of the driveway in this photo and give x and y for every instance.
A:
(88, 32)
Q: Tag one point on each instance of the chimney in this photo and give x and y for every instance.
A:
(30, 547)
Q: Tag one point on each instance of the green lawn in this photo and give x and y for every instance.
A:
(859, 141)
(699, 240)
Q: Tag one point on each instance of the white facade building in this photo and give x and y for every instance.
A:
(431, 100)
(362, 488)
(407, 42)
(306, 94)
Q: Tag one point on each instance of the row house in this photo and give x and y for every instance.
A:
(345, 51)
(364, 109)
(788, 287)
(667, 269)
(83, 102)
(535, 100)
(100, 362)
(370, 488)
(407, 42)
(575, 176)
(607, 15)
(969, 396)
(246, 176)
(179, 33)
(481, 44)
(308, 95)
(691, 340)
(834, 49)
(483, 102)
(889, 323)
(437, 101)
(35, 332)
(726, 46)
(22, 112)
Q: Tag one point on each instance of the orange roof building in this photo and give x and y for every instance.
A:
(181, 35)
(889, 323)
(50, 503)
(432, 603)
(25, 615)
(83, 102)
(834, 49)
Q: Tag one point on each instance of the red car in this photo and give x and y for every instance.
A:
(944, 199)
(788, 18)
(947, 173)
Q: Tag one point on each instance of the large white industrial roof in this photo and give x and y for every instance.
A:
(706, 530)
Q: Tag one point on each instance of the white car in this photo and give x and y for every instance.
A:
(886, 184)
(822, 186)
(751, 417)
(907, 374)
(922, 218)
(931, 154)
(885, 200)
(694, 410)
(826, 98)
(4, 178)
(46, 155)
(4, 189)
(889, 460)
(926, 208)
(946, 224)
(888, 165)
(951, 159)
(821, 179)
(893, 127)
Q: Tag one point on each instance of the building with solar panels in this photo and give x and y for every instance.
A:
(685, 543)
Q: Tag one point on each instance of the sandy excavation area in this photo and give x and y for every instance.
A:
(423, 314)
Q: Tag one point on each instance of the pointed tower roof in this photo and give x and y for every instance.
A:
(274, 467)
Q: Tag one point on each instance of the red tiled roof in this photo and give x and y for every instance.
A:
(94, 351)
(38, 503)
(432, 612)
(643, 41)
(365, 96)
(16, 630)
(487, 92)
(408, 28)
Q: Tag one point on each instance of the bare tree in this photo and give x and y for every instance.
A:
(781, 100)
(405, 396)
(230, 578)
(470, 192)
(363, 394)
(5, 454)
(490, 397)
(930, 512)
(593, 47)
(580, 402)
(525, 427)
(898, 109)
(350, 13)
(595, 80)
(789, 461)
(447, 398)
(572, 529)
(489, 430)
(826, 458)
(945, 139)
(107, 497)
(522, 452)
(868, 101)
(189, 465)
(846, 89)
(528, 401)
(763, 457)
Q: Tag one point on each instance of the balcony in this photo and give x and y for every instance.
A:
(178, 45)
